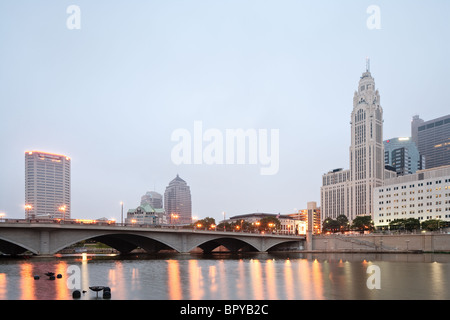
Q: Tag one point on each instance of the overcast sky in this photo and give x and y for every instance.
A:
(111, 93)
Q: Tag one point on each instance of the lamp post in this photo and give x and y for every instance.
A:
(173, 216)
(28, 207)
(121, 213)
(62, 209)
(224, 228)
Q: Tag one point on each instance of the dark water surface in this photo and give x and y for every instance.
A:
(231, 277)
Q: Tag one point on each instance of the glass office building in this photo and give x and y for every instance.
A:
(433, 140)
(403, 155)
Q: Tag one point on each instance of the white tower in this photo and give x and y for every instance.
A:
(366, 150)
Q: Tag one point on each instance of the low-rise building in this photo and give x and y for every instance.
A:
(423, 195)
(146, 214)
(311, 211)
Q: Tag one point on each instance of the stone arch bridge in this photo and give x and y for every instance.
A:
(49, 238)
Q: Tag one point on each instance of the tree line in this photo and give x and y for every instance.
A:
(365, 223)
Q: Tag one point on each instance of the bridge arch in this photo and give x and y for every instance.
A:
(232, 244)
(122, 241)
(8, 246)
(285, 245)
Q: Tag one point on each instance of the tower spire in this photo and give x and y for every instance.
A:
(367, 64)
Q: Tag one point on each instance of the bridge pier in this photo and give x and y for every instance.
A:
(44, 244)
(184, 244)
(309, 241)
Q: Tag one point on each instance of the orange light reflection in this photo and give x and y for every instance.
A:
(27, 282)
(174, 280)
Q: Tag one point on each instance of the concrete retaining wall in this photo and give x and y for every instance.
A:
(377, 242)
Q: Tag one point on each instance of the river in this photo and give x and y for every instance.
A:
(262, 276)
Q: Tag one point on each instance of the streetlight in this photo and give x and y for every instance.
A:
(224, 228)
(174, 216)
(121, 213)
(257, 223)
(28, 207)
(62, 209)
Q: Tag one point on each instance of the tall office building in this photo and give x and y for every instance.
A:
(349, 192)
(47, 185)
(177, 202)
(433, 140)
(366, 150)
(403, 155)
(152, 198)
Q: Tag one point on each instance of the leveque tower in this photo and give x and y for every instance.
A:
(349, 192)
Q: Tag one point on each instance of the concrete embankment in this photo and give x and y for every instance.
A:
(427, 242)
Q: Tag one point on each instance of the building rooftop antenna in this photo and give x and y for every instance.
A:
(367, 64)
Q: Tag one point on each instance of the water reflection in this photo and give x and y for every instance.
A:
(174, 283)
(196, 280)
(258, 277)
(271, 280)
(256, 280)
(3, 286)
(27, 282)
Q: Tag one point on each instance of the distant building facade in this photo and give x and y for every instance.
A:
(146, 215)
(152, 198)
(423, 195)
(47, 185)
(177, 202)
(402, 154)
(433, 140)
(311, 211)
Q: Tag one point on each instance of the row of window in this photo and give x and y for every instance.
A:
(396, 213)
(413, 192)
(436, 196)
(418, 218)
(429, 183)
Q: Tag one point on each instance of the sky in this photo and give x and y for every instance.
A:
(111, 93)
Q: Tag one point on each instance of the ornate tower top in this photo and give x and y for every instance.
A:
(366, 89)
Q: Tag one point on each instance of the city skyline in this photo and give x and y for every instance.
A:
(110, 94)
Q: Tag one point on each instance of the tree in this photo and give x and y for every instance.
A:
(330, 225)
(363, 223)
(412, 224)
(269, 224)
(396, 224)
(205, 223)
(434, 224)
(342, 220)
